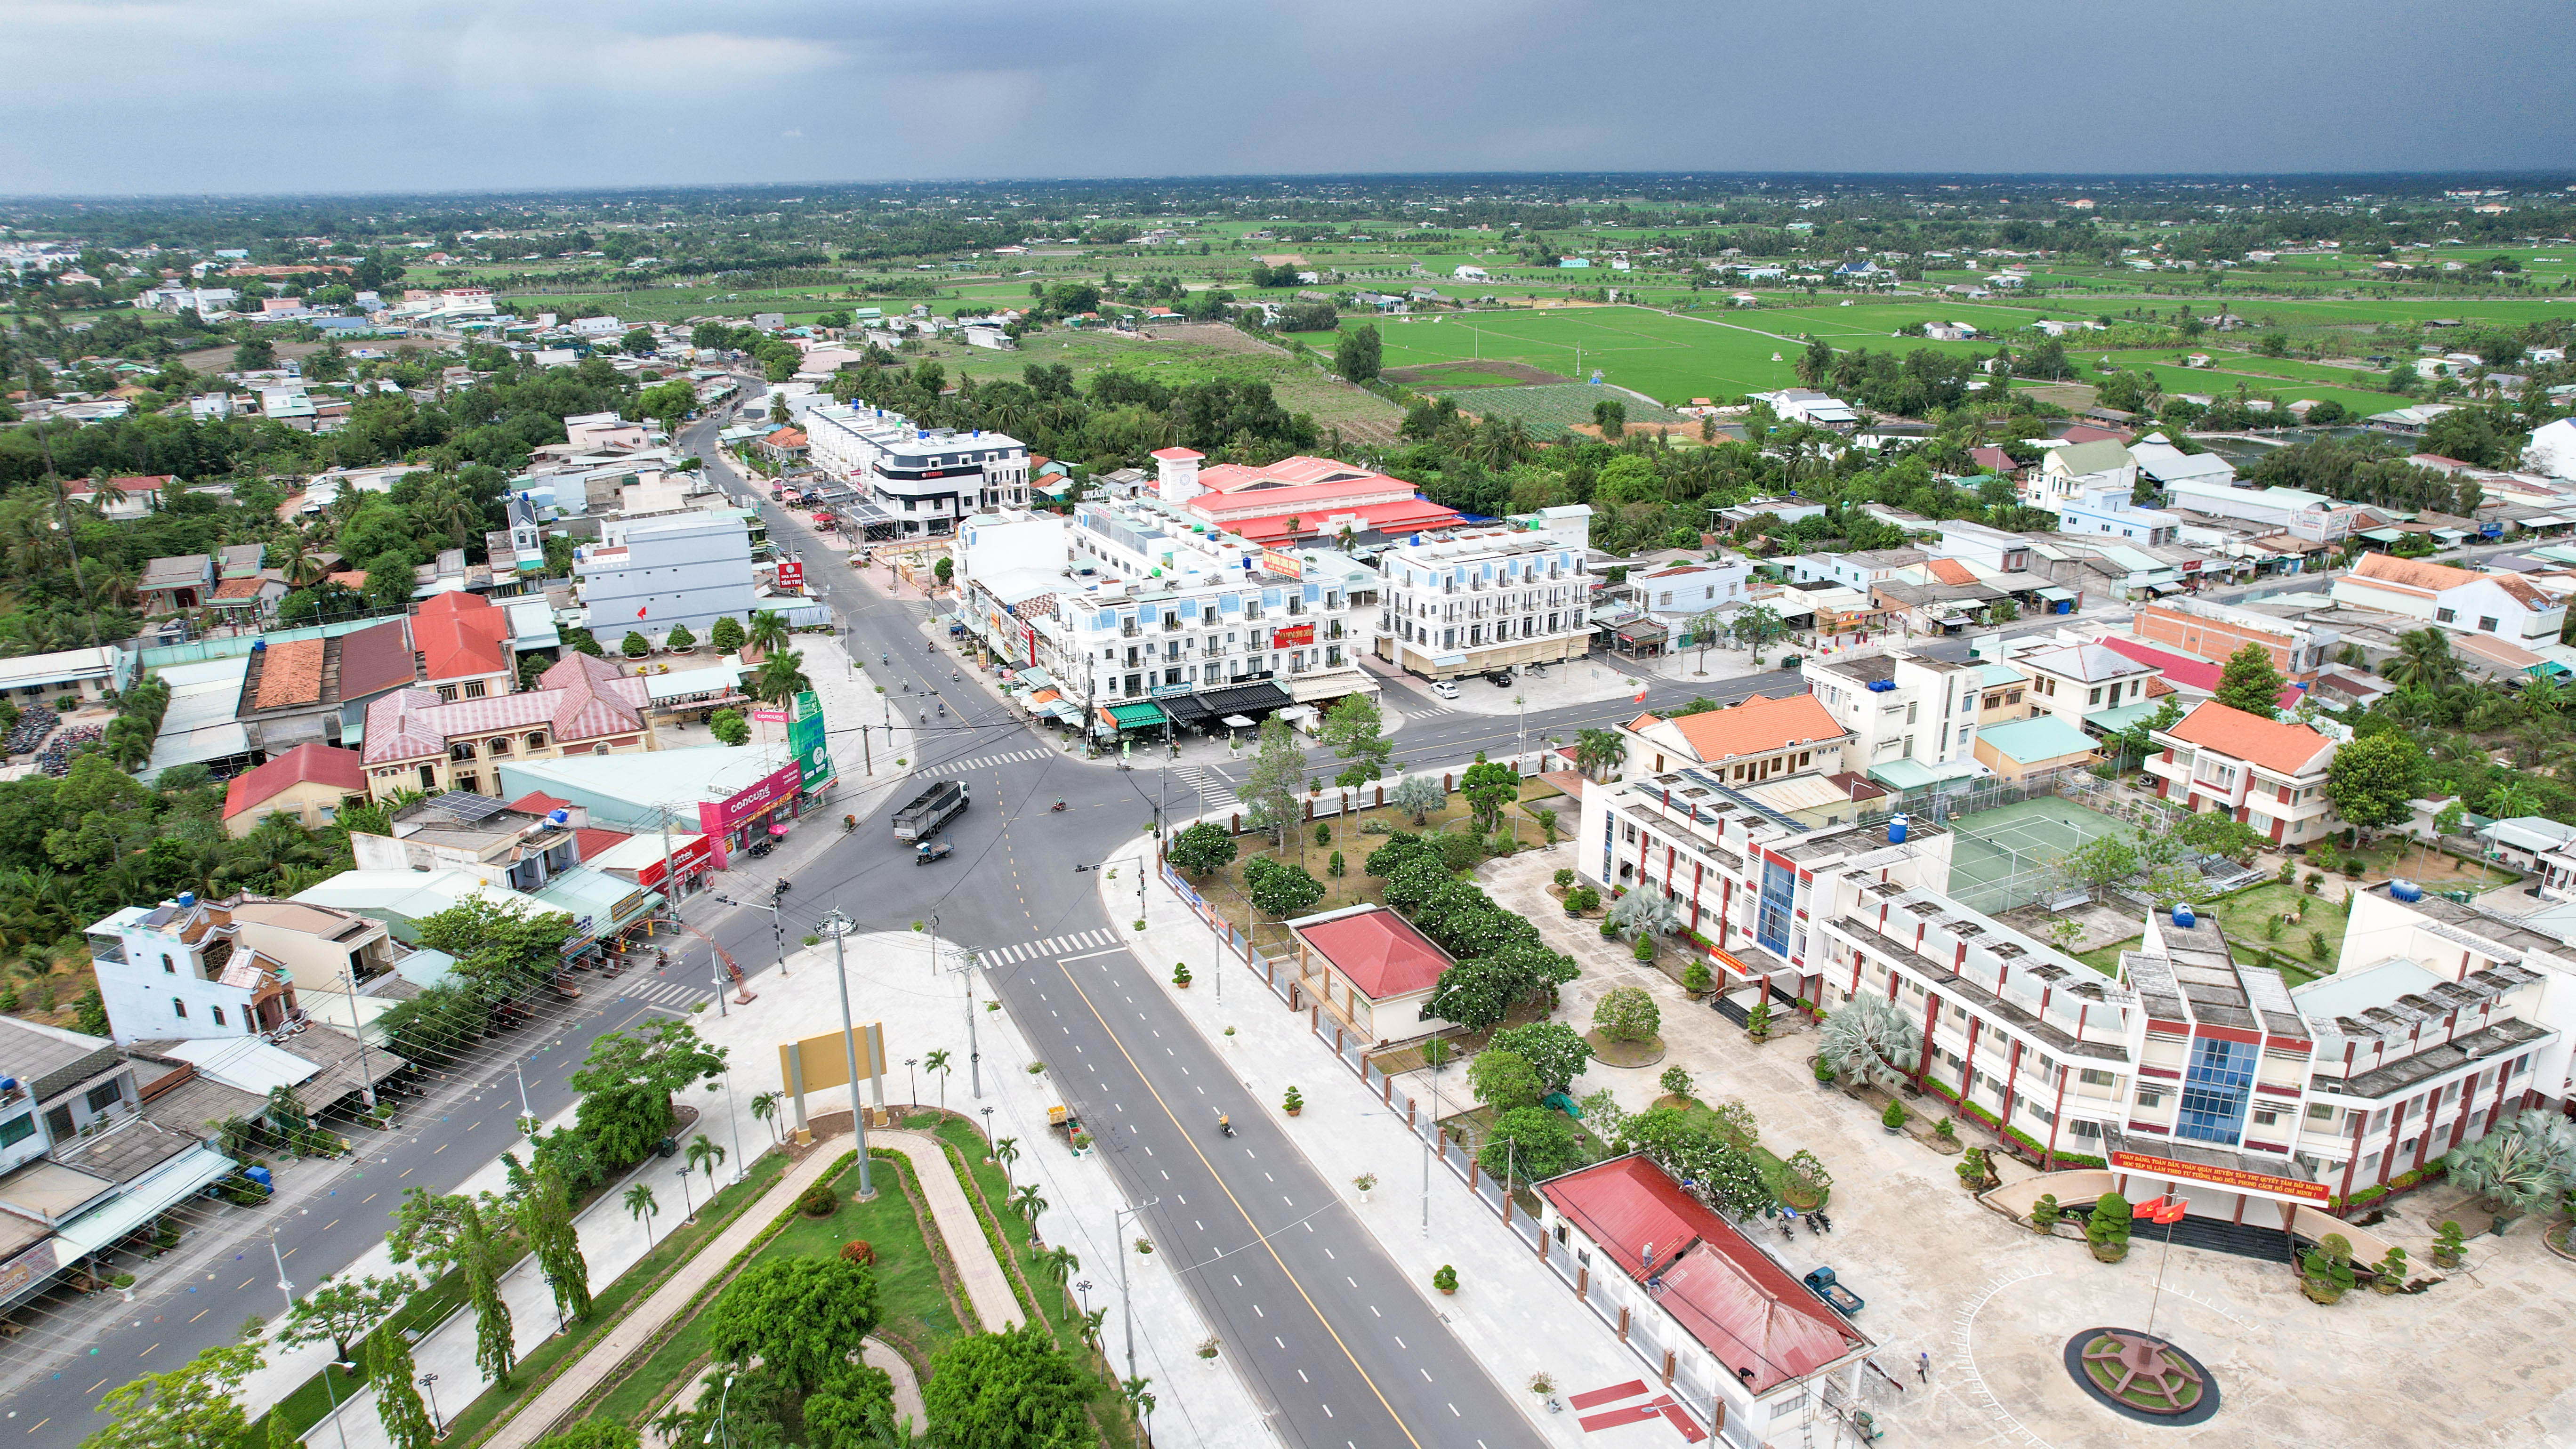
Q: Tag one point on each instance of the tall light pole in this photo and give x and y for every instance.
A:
(332, 1394)
(1126, 1310)
(838, 926)
(437, 1426)
(737, 1125)
(974, 1053)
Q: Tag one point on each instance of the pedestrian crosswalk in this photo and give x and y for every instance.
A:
(1052, 946)
(666, 993)
(1006, 757)
(1207, 784)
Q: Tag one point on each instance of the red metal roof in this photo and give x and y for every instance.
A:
(460, 636)
(1743, 1308)
(2193, 674)
(316, 764)
(1379, 951)
(588, 842)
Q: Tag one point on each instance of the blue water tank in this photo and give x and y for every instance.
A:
(1881, 686)
(2183, 917)
(1896, 830)
(558, 816)
(187, 898)
(261, 1176)
(2405, 890)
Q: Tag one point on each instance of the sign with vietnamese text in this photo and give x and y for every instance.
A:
(791, 574)
(805, 738)
(1292, 635)
(1286, 565)
(781, 784)
(688, 856)
(2218, 1176)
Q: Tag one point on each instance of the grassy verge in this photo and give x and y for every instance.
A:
(913, 1297)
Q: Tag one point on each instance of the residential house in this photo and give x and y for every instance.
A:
(2108, 510)
(2066, 470)
(2294, 511)
(2019, 750)
(1806, 405)
(1677, 597)
(531, 847)
(2526, 842)
(2191, 680)
(1748, 743)
(1912, 719)
(660, 573)
(2268, 774)
(2506, 606)
(2004, 687)
(2162, 465)
(118, 500)
(2216, 631)
(1474, 600)
(464, 646)
(2075, 682)
(1371, 970)
(1976, 543)
(298, 691)
(308, 784)
(1862, 569)
(175, 585)
(415, 740)
(87, 675)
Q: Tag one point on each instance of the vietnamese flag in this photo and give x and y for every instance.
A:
(1640, 696)
(639, 613)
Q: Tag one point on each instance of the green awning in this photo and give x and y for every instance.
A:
(2113, 721)
(2054, 594)
(1915, 775)
(2384, 535)
(1138, 716)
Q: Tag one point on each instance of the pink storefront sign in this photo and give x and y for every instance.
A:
(721, 817)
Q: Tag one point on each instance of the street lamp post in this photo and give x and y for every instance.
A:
(1126, 1310)
(839, 927)
(328, 1392)
(737, 1125)
(437, 1426)
(974, 1052)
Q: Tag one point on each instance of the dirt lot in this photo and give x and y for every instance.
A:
(1471, 374)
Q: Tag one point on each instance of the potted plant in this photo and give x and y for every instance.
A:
(1293, 1103)
(1757, 1022)
(1564, 879)
(2389, 1273)
(1446, 1280)
(2108, 1229)
(1976, 1170)
(1181, 974)
(1145, 1247)
(1363, 1183)
(1644, 950)
(2325, 1272)
(1082, 1144)
(1946, 1129)
(1893, 1119)
(1824, 1073)
(2448, 1249)
(1696, 979)
(2045, 1214)
(1207, 1350)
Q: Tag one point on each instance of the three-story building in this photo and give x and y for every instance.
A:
(1485, 599)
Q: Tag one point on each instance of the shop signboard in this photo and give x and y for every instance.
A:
(1292, 635)
(791, 574)
(2168, 1167)
(805, 739)
(688, 856)
(1285, 565)
(721, 817)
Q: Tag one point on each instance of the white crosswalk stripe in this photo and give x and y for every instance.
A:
(664, 993)
(1052, 946)
(1207, 784)
(1007, 757)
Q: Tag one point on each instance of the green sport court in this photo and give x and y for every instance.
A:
(1991, 847)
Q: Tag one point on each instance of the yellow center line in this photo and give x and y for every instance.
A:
(147, 1353)
(94, 1388)
(202, 1312)
(1258, 1235)
(40, 1423)
(244, 1284)
(326, 1227)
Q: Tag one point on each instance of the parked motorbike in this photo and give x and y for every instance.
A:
(1056, 809)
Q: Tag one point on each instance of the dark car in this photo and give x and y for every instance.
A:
(1499, 678)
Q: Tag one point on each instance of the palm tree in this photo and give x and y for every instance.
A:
(641, 1206)
(704, 1154)
(303, 563)
(2512, 800)
(1006, 1151)
(938, 1062)
(1091, 1326)
(2423, 659)
(781, 677)
(764, 1110)
(1599, 751)
(767, 634)
(1059, 1263)
(1028, 1204)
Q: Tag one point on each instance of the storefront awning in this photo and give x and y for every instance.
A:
(1261, 697)
(1311, 688)
(1187, 710)
(2384, 535)
(1137, 716)
(2054, 594)
(1915, 775)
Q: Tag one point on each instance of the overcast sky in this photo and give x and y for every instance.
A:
(197, 96)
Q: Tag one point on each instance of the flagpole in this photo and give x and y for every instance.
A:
(2169, 1212)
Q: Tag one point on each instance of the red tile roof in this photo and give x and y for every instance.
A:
(239, 588)
(2194, 674)
(537, 802)
(587, 842)
(2274, 745)
(1756, 726)
(374, 659)
(311, 764)
(460, 636)
(1744, 1308)
(290, 673)
(1379, 951)
(1949, 571)
(1995, 459)
(1176, 455)
(129, 484)
(2433, 578)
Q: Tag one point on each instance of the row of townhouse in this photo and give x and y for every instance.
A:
(2186, 1070)
(917, 481)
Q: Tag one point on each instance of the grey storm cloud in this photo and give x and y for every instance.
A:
(217, 96)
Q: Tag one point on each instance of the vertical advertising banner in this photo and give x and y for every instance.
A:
(806, 736)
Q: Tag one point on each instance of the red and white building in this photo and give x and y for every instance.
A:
(2269, 774)
(1372, 969)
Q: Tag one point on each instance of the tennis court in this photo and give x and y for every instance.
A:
(2003, 852)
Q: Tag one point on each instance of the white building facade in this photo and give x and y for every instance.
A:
(922, 479)
(1476, 601)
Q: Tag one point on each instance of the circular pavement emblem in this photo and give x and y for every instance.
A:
(2145, 1378)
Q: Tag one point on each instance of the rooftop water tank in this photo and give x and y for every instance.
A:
(187, 898)
(2183, 917)
(2405, 890)
(1896, 830)
(1881, 686)
(558, 816)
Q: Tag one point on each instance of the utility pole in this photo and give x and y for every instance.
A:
(1126, 1308)
(839, 926)
(358, 1029)
(974, 1053)
(332, 1394)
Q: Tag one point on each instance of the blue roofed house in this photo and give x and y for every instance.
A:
(2018, 749)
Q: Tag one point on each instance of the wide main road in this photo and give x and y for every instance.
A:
(1339, 1347)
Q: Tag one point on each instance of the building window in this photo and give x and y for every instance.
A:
(219, 1015)
(2446, 616)
(2214, 1091)
(17, 1129)
(536, 739)
(2486, 623)
(104, 1096)
(2080, 1127)
(473, 689)
(178, 1008)
(2096, 1077)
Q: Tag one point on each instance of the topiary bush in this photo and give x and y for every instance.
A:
(818, 1201)
(860, 1251)
(2107, 1230)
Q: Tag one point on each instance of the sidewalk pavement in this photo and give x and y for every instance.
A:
(1510, 1311)
(988, 1288)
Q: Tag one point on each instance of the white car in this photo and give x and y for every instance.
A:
(1444, 689)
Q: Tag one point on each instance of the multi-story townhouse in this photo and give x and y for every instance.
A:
(1484, 599)
(2077, 681)
(190, 968)
(2269, 774)
(1912, 720)
(581, 706)
(2462, 601)
(918, 481)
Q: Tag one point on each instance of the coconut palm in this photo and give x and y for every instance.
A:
(938, 1062)
(1059, 1263)
(641, 1207)
(767, 634)
(1866, 1040)
(781, 677)
(1028, 1204)
(2512, 800)
(2423, 659)
(1599, 751)
(704, 1154)
(1006, 1151)
(764, 1110)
